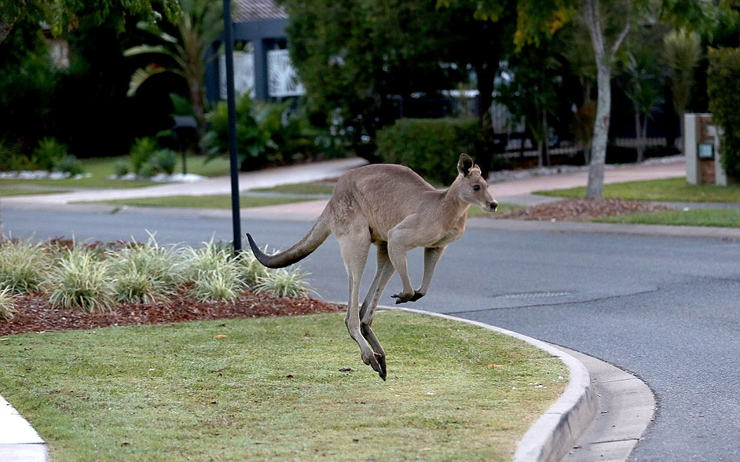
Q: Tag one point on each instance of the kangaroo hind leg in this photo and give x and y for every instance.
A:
(354, 247)
(382, 276)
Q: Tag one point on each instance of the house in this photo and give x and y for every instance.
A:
(261, 63)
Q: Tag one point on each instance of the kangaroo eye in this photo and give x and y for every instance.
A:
(476, 187)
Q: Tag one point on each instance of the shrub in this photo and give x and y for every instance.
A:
(164, 161)
(68, 164)
(144, 272)
(250, 270)
(723, 89)
(7, 304)
(284, 283)
(218, 284)
(121, 168)
(22, 266)
(141, 151)
(252, 141)
(431, 147)
(267, 133)
(10, 157)
(214, 272)
(49, 152)
(81, 281)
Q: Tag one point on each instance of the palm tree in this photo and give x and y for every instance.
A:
(198, 26)
(681, 52)
(643, 87)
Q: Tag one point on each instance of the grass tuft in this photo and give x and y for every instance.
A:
(250, 269)
(145, 272)
(214, 272)
(284, 283)
(22, 266)
(7, 304)
(81, 281)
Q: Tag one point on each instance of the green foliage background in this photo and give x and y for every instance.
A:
(723, 88)
(431, 147)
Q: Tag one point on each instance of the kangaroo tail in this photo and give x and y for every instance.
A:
(298, 251)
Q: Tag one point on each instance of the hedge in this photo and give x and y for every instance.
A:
(723, 88)
(431, 147)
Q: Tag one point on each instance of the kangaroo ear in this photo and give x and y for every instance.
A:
(465, 164)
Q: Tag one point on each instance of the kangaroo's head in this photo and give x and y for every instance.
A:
(472, 187)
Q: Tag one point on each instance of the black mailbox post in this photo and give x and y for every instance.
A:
(184, 128)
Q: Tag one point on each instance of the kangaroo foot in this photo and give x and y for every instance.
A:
(377, 362)
(381, 363)
(404, 297)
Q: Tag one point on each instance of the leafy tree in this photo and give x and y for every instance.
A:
(62, 15)
(27, 87)
(723, 88)
(185, 54)
(607, 22)
(367, 57)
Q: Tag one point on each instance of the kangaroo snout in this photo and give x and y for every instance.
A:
(493, 205)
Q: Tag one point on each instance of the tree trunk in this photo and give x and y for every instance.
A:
(639, 135)
(197, 102)
(485, 73)
(546, 139)
(595, 187)
(603, 58)
(643, 140)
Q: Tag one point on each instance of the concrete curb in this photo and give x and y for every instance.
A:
(19, 442)
(553, 435)
(626, 408)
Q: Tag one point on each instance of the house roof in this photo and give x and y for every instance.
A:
(251, 10)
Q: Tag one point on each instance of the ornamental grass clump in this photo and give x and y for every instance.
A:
(80, 280)
(250, 269)
(22, 266)
(284, 283)
(144, 273)
(7, 304)
(214, 272)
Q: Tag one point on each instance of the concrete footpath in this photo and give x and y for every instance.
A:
(602, 414)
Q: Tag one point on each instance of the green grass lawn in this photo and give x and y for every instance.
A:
(218, 201)
(102, 168)
(7, 191)
(667, 190)
(723, 218)
(300, 188)
(272, 389)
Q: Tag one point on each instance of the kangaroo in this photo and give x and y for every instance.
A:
(394, 208)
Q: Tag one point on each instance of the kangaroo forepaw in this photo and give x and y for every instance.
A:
(404, 297)
(417, 295)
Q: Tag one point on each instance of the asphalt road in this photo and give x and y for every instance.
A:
(664, 308)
